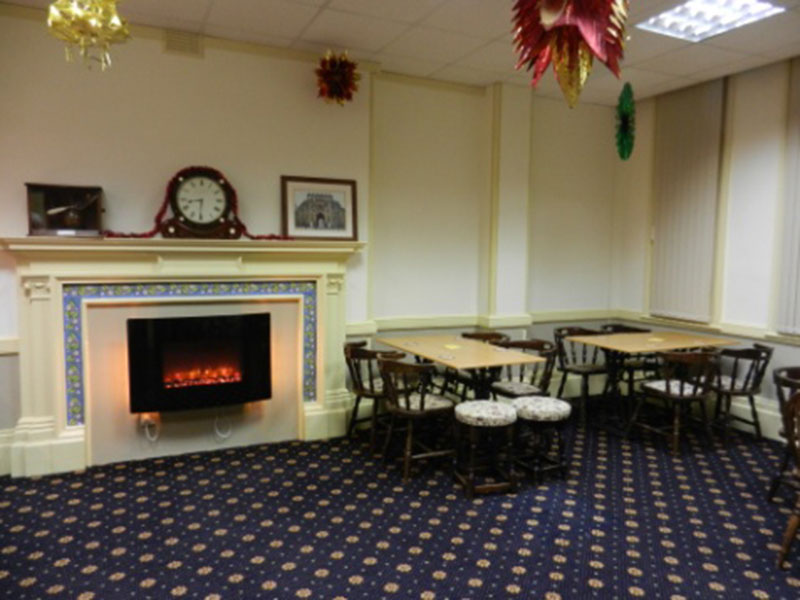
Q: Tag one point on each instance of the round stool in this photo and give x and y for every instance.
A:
(544, 419)
(479, 424)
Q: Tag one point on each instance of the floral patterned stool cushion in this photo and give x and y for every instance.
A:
(485, 413)
(541, 408)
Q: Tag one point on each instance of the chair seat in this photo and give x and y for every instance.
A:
(541, 408)
(516, 388)
(375, 390)
(432, 402)
(485, 413)
(659, 386)
(587, 369)
(727, 384)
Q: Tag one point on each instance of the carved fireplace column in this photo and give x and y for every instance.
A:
(335, 387)
(31, 450)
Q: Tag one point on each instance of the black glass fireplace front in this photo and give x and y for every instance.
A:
(198, 362)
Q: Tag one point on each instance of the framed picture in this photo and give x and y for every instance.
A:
(64, 210)
(318, 209)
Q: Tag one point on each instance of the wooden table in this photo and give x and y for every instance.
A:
(461, 353)
(654, 341)
(617, 346)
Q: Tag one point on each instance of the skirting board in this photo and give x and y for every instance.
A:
(9, 346)
(37, 456)
(6, 435)
(365, 328)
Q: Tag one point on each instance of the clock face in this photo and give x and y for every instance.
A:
(201, 200)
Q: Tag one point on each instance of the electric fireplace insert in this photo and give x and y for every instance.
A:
(198, 362)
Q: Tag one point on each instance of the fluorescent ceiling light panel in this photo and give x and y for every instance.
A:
(697, 20)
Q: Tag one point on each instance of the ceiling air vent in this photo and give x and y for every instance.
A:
(183, 42)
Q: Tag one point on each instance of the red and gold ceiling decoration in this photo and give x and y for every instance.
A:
(337, 78)
(570, 34)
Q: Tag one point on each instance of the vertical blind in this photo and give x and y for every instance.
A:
(789, 302)
(686, 181)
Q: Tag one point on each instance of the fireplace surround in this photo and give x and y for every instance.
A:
(64, 281)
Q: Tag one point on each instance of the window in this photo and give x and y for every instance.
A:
(686, 182)
(789, 302)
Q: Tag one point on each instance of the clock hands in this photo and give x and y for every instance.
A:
(198, 211)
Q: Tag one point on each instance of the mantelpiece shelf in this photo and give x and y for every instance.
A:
(33, 244)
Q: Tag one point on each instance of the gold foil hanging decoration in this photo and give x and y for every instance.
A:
(572, 61)
(88, 27)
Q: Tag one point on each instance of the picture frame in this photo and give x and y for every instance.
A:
(314, 208)
(64, 210)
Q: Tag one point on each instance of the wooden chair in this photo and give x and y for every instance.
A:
(531, 379)
(787, 384)
(578, 359)
(357, 344)
(791, 427)
(365, 382)
(486, 336)
(620, 328)
(745, 368)
(687, 378)
(409, 401)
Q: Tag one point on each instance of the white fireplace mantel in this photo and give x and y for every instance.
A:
(46, 439)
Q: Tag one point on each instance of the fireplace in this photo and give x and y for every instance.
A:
(186, 363)
(81, 292)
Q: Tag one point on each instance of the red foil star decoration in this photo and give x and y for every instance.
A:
(337, 78)
(570, 34)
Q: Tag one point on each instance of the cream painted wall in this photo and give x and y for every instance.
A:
(632, 214)
(251, 114)
(755, 139)
(512, 198)
(8, 296)
(430, 182)
(572, 163)
(422, 154)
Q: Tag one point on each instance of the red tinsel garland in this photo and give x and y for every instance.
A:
(337, 78)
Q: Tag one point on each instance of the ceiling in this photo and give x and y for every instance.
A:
(467, 41)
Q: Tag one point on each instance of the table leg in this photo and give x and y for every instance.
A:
(482, 380)
(616, 412)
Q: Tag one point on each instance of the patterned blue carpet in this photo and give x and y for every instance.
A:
(325, 520)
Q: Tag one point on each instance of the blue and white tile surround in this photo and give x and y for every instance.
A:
(75, 294)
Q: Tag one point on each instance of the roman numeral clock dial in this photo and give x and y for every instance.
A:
(203, 205)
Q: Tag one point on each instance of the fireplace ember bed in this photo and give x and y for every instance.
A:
(187, 363)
